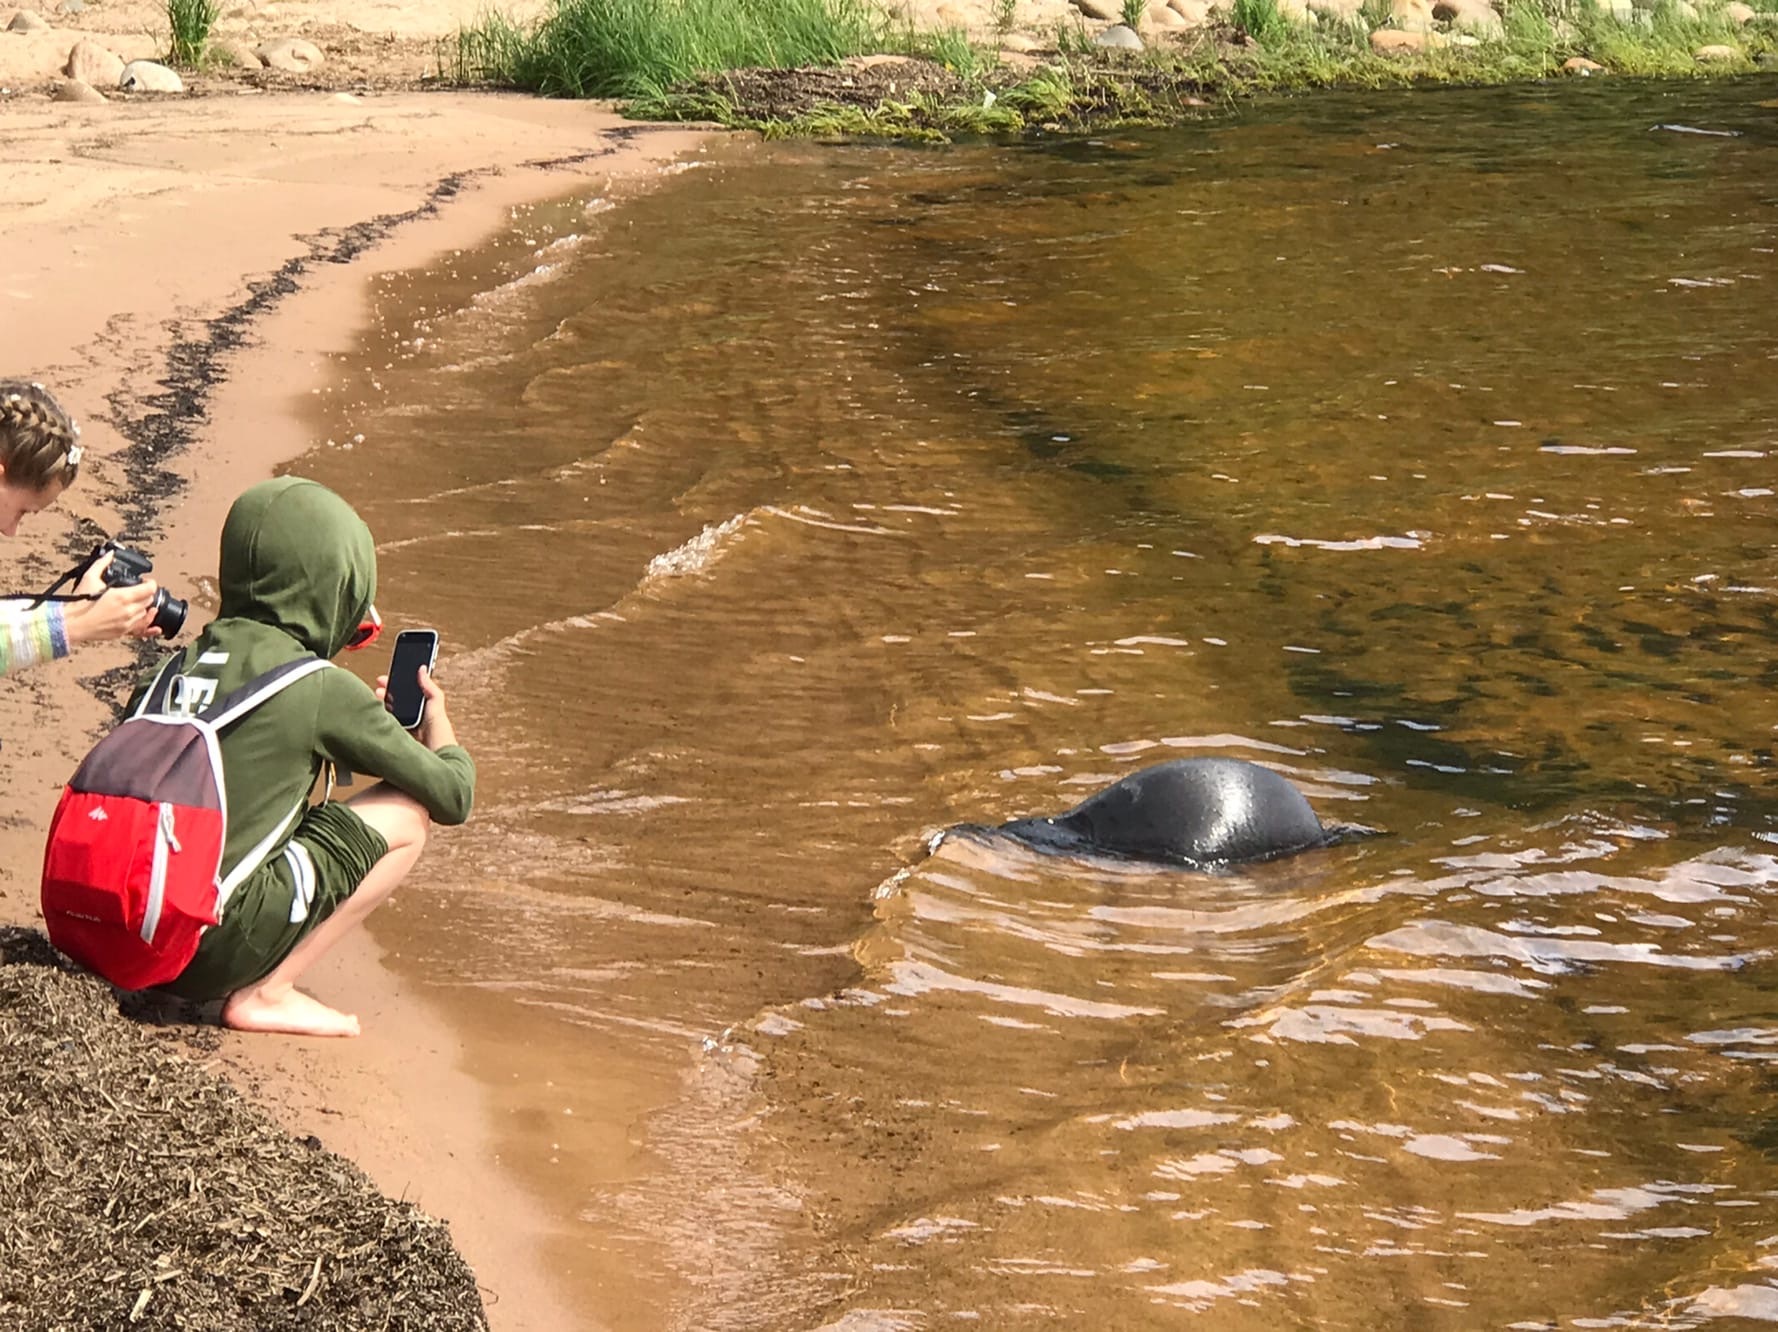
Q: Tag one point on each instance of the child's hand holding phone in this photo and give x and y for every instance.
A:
(411, 694)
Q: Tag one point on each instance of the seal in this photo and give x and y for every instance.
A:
(1203, 813)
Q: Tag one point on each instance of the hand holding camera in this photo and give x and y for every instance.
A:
(124, 603)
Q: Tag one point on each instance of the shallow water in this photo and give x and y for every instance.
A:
(1418, 447)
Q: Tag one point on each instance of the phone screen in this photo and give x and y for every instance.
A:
(414, 648)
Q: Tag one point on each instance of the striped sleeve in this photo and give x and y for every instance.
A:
(29, 635)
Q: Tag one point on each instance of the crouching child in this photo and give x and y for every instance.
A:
(298, 577)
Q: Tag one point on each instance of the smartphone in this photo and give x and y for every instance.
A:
(414, 648)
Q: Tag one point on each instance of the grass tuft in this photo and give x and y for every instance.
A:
(643, 48)
(191, 22)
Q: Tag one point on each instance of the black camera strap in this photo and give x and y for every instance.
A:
(49, 593)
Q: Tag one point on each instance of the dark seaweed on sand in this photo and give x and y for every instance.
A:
(139, 1191)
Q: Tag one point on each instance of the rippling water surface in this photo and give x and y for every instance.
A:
(1421, 448)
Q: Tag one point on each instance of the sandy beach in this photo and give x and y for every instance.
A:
(178, 269)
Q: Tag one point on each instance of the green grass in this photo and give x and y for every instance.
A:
(643, 48)
(191, 22)
(651, 50)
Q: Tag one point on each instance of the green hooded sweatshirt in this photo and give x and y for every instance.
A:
(298, 573)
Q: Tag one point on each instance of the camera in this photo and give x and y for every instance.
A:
(126, 569)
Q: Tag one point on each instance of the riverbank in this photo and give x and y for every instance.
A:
(181, 268)
(835, 68)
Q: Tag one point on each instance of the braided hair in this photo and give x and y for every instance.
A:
(39, 442)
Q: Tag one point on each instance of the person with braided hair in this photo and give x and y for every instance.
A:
(39, 459)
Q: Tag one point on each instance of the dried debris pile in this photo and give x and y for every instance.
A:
(138, 1190)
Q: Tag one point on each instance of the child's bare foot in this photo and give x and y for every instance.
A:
(287, 1011)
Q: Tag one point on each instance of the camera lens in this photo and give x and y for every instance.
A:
(169, 612)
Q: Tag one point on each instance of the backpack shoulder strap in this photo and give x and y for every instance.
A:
(231, 707)
(155, 700)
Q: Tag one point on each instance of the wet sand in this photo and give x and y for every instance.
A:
(178, 271)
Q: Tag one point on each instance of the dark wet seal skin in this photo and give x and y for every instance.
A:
(1201, 813)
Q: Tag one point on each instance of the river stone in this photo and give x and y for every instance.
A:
(1476, 15)
(1196, 13)
(1413, 15)
(147, 76)
(71, 7)
(1686, 10)
(1716, 53)
(1624, 11)
(1395, 41)
(1119, 37)
(1738, 12)
(1582, 66)
(94, 65)
(27, 20)
(1103, 10)
(1163, 16)
(73, 90)
(292, 55)
(233, 53)
(1020, 43)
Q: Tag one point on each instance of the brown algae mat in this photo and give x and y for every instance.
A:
(138, 1190)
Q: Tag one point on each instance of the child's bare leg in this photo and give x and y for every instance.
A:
(274, 1004)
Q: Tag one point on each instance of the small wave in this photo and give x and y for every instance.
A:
(816, 518)
(1411, 541)
(696, 555)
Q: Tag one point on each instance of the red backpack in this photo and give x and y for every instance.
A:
(132, 872)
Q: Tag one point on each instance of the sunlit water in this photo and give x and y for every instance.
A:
(1421, 448)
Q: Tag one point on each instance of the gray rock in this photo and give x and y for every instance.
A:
(71, 7)
(147, 76)
(1119, 37)
(94, 65)
(73, 90)
(1104, 10)
(27, 20)
(292, 55)
(1717, 53)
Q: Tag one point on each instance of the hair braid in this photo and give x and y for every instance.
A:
(39, 442)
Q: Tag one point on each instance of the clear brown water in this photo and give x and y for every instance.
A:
(1421, 448)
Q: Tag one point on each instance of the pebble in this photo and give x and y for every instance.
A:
(1582, 66)
(1119, 37)
(73, 90)
(1716, 53)
(1103, 10)
(93, 65)
(27, 20)
(1738, 12)
(148, 76)
(1020, 44)
(71, 7)
(1163, 16)
(292, 55)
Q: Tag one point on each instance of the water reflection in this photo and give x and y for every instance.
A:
(829, 498)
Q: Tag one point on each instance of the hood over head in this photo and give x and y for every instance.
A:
(297, 557)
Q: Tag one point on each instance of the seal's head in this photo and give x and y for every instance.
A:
(1202, 812)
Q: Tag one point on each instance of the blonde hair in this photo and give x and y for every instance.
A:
(39, 442)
